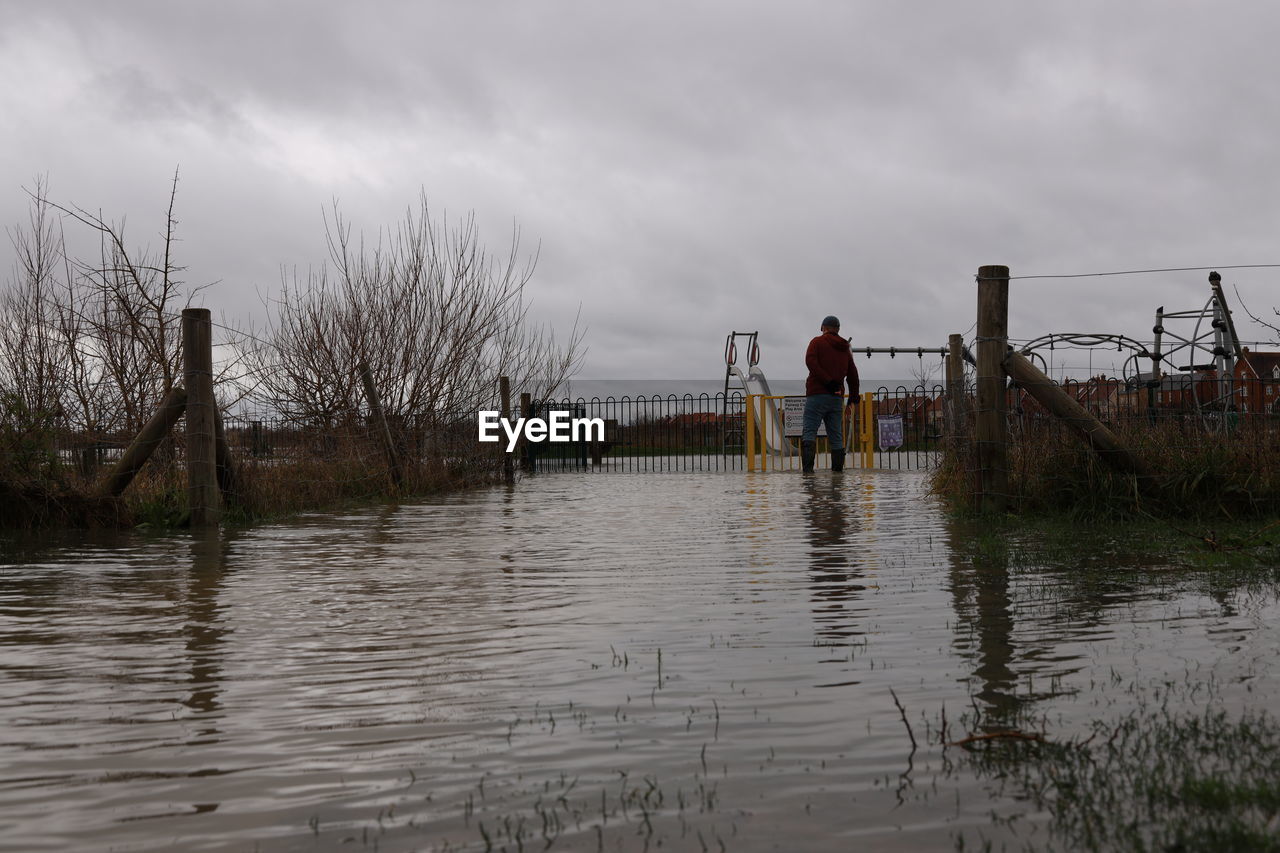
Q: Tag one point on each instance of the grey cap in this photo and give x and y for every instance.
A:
(831, 320)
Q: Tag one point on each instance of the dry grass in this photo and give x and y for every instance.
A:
(1203, 469)
(327, 471)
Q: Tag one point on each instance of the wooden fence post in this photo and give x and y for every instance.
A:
(504, 392)
(956, 393)
(991, 425)
(380, 423)
(197, 371)
(140, 449)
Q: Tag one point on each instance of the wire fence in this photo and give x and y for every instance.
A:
(1200, 442)
(270, 465)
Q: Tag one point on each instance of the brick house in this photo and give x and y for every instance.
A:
(1258, 374)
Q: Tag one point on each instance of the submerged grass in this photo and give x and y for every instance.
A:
(1225, 552)
(1155, 780)
(1180, 768)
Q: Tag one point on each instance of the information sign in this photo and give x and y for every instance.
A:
(793, 418)
(889, 428)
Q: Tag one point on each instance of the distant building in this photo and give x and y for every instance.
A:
(1175, 391)
(1258, 375)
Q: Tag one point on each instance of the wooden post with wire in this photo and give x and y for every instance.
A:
(956, 397)
(379, 418)
(504, 395)
(991, 425)
(197, 373)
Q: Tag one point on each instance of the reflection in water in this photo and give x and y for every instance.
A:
(392, 678)
(833, 523)
(1018, 634)
(204, 630)
(506, 525)
(983, 604)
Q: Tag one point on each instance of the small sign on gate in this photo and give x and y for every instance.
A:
(889, 429)
(793, 418)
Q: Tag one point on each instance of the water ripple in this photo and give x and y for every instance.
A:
(661, 656)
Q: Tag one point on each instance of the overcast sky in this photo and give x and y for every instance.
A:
(684, 168)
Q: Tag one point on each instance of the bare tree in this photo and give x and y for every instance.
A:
(129, 304)
(1265, 324)
(926, 374)
(96, 340)
(34, 367)
(435, 316)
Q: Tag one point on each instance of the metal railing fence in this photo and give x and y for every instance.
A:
(702, 432)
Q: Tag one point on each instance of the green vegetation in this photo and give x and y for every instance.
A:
(1163, 765)
(1154, 780)
(1235, 551)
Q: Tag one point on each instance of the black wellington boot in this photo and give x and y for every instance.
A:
(837, 460)
(808, 450)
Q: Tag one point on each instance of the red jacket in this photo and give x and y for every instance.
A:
(829, 358)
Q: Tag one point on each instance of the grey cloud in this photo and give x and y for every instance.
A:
(130, 94)
(688, 169)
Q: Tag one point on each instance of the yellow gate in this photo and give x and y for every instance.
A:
(767, 435)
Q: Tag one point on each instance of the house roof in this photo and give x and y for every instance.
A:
(1261, 364)
(1172, 381)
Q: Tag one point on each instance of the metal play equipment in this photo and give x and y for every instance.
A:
(1212, 347)
(762, 403)
(1220, 356)
(771, 432)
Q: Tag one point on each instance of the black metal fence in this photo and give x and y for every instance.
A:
(704, 432)
(707, 432)
(1179, 396)
(921, 412)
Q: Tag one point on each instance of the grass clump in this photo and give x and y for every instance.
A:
(330, 469)
(1153, 781)
(1201, 469)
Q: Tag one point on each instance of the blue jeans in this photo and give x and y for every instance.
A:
(828, 409)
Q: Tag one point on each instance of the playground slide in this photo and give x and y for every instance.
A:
(767, 410)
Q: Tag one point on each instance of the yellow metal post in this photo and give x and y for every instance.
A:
(868, 437)
(848, 432)
(763, 423)
(751, 432)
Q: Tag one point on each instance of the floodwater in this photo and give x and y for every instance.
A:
(680, 661)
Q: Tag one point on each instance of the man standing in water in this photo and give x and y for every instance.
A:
(830, 362)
